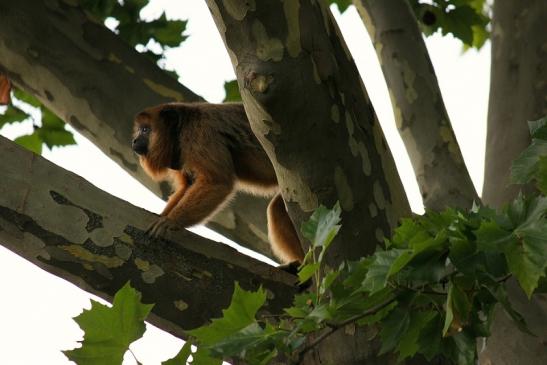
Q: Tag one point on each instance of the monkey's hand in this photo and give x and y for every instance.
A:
(161, 226)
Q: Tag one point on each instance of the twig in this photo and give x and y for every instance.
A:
(332, 328)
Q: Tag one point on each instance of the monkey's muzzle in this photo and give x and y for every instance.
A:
(140, 146)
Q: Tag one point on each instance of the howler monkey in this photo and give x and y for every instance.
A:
(209, 151)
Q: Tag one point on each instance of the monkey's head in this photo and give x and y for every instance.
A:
(156, 138)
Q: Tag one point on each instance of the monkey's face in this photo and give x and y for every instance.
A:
(141, 138)
(155, 131)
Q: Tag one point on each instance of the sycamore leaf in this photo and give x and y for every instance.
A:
(232, 91)
(524, 166)
(203, 357)
(501, 295)
(409, 345)
(527, 256)
(492, 238)
(461, 348)
(26, 98)
(393, 328)
(541, 175)
(12, 114)
(449, 317)
(240, 314)
(307, 271)
(343, 5)
(110, 331)
(31, 142)
(182, 357)
(430, 340)
(538, 128)
(322, 226)
(384, 264)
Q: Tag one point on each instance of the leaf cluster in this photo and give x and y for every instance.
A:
(466, 20)
(49, 129)
(136, 31)
(110, 330)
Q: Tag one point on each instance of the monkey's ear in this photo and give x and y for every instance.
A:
(170, 115)
(172, 119)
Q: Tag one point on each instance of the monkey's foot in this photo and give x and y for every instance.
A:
(161, 226)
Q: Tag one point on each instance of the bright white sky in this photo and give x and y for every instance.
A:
(36, 312)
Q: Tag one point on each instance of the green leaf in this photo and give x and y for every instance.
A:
(168, 32)
(307, 271)
(378, 316)
(240, 314)
(525, 165)
(32, 142)
(527, 256)
(409, 343)
(252, 342)
(501, 295)
(12, 114)
(492, 238)
(26, 98)
(430, 340)
(461, 304)
(541, 175)
(342, 5)
(322, 226)
(327, 281)
(461, 348)
(449, 316)
(538, 128)
(232, 91)
(381, 267)
(182, 357)
(393, 328)
(110, 331)
(203, 357)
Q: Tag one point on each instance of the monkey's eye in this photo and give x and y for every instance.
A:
(145, 129)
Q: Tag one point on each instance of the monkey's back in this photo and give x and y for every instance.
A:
(252, 167)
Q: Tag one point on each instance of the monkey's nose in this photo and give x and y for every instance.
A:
(139, 147)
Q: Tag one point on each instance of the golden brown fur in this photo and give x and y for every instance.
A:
(209, 151)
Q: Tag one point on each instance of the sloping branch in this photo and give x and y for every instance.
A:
(95, 82)
(65, 225)
(420, 114)
(309, 108)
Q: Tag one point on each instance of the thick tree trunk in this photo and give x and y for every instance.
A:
(309, 108)
(65, 225)
(94, 81)
(518, 92)
(418, 105)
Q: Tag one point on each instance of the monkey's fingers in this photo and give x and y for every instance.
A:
(160, 226)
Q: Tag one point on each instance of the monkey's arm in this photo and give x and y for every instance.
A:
(203, 198)
(181, 186)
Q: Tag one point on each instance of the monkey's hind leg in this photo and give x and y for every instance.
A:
(283, 238)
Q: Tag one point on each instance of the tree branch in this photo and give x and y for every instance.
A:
(420, 114)
(66, 226)
(95, 82)
(309, 109)
(332, 328)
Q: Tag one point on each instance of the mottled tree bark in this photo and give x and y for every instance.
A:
(310, 110)
(518, 90)
(65, 225)
(418, 105)
(95, 82)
